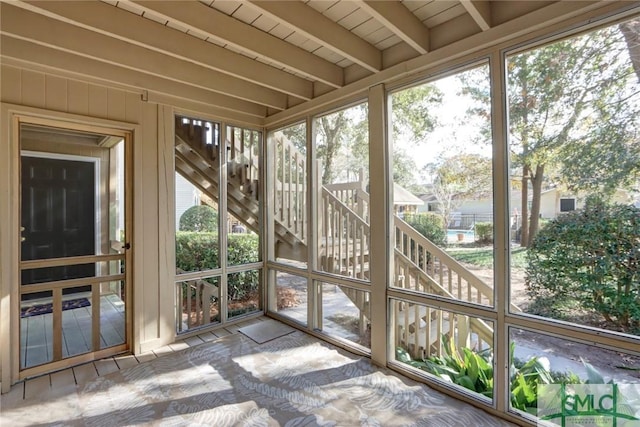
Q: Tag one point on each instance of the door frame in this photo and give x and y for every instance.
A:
(11, 116)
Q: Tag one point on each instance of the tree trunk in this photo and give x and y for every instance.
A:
(631, 32)
(536, 187)
(524, 228)
(332, 135)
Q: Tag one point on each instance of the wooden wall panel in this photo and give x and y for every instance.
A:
(132, 107)
(10, 88)
(42, 90)
(78, 97)
(166, 212)
(98, 101)
(146, 227)
(116, 109)
(55, 92)
(33, 89)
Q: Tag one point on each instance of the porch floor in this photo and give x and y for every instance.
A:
(224, 378)
(36, 331)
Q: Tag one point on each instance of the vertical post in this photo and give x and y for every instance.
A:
(362, 188)
(380, 220)
(269, 173)
(500, 229)
(223, 217)
(314, 202)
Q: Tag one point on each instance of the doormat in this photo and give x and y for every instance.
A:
(39, 309)
(266, 331)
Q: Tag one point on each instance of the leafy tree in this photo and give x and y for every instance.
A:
(333, 132)
(412, 110)
(568, 101)
(404, 171)
(457, 178)
(573, 116)
(297, 135)
(201, 218)
(413, 120)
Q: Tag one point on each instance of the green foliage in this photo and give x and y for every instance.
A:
(199, 251)
(484, 232)
(201, 218)
(590, 256)
(429, 225)
(525, 378)
(413, 111)
(474, 371)
(196, 251)
(471, 370)
(459, 177)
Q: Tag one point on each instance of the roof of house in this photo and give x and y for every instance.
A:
(402, 196)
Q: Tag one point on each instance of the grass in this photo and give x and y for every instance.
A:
(483, 257)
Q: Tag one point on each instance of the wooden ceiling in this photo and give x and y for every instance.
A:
(257, 58)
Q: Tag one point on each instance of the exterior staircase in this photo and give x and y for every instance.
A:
(343, 211)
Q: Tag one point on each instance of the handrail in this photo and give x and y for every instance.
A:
(344, 231)
(440, 256)
(328, 194)
(291, 188)
(352, 194)
(345, 238)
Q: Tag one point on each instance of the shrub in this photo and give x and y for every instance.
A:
(201, 218)
(591, 257)
(429, 225)
(484, 232)
(200, 251)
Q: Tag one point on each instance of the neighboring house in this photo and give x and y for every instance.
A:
(186, 196)
(468, 211)
(556, 201)
(404, 201)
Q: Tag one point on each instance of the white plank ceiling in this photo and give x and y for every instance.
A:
(261, 56)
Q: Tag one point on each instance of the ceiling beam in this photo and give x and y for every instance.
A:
(68, 64)
(225, 29)
(400, 20)
(30, 26)
(480, 11)
(322, 30)
(126, 26)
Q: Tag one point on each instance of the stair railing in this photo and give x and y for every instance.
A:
(344, 230)
(448, 273)
(344, 238)
(242, 159)
(291, 188)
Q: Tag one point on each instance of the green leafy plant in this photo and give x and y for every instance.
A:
(474, 371)
(525, 378)
(201, 218)
(469, 369)
(484, 232)
(591, 257)
(429, 225)
(200, 251)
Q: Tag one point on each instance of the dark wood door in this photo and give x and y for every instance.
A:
(58, 216)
